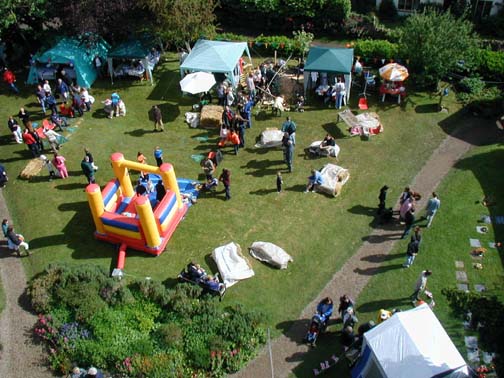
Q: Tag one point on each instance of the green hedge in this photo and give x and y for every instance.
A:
(380, 49)
(262, 43)
(491, 64)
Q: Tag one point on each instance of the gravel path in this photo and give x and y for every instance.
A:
(358, 270)
(19, 356)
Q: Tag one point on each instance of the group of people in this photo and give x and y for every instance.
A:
(15, 242)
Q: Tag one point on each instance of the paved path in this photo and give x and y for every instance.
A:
(19, 357)
(288, 351)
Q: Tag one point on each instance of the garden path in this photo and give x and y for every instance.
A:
(19, 356)
(351, 279)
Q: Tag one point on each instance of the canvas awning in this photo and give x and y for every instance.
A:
(337, 61)
(78, 53)
(216, 57)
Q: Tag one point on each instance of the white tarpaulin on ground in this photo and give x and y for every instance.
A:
(333, 179)
(270, 138)
(411, 344)
(271, 254)
(231, 264)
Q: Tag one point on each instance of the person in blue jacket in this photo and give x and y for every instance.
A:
(325, 308)
(314, 179)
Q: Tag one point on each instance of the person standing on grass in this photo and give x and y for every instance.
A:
(382, 198)
(91, 159)
(432, 208)
(52, 138)
(31, 143)
(158, 118)
(288, 145)
(290, 127)
(40, 94)
(420, 285)
(413, 247)
(15, 129)
(279, 182)
(158, 155)
(10, 80)
(208, 167)
(88, 170)
(59, 163)
(24, 116)
(225, 178)
(409, 220)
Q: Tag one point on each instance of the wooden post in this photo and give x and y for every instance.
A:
(275, 57)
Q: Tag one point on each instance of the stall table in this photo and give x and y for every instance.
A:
(398, 91)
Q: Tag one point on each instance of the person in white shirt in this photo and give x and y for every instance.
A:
(46, 87)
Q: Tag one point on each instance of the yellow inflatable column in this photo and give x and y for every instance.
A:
(148, 222)
(170, 181)
(96, 205)
(121, 172)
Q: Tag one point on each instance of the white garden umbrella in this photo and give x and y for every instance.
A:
(197, 82)
(394, 72)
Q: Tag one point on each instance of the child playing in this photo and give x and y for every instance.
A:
(279, 182)
(50, 167)
(158, 155)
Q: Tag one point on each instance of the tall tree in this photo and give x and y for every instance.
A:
(183, 21)
(435, 42)
(21, 16)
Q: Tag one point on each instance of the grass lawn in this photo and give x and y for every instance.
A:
(318, 231)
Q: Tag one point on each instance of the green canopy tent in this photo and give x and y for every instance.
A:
(135, 49)
(76, 55)
(338, 61)
(216, 57)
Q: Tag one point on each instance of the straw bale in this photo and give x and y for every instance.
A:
(33, 168)
(211, 116)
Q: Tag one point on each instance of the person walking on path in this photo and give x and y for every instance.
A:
(413, 247)
(409, 220)
(382, 198)
(432, 208)
(279, 182)
(158, 118)
(225, 178)
(158, 155)
(59, 163)
(420, 285)
(88, 170)
(10, 80)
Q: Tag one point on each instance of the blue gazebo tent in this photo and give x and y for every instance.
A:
(74, 53)
(338, 61)
(216, 57)
(138, 49)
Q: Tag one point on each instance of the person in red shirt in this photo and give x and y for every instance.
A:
(31, 143)
(10, 79)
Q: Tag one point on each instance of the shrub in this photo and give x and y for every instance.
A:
(380, 49)
(487, 316)
(492, 64)
(339, 9)
(472, 85)
(140, 329)
(387, 9)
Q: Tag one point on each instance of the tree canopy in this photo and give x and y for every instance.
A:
(435, 42)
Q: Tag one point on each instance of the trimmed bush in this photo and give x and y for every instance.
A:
(380, 49)
(387, 9)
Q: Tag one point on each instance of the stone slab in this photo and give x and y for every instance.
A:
(463, 287)
(461, 276)
(459, 264)
(475, 243)
(479, 288)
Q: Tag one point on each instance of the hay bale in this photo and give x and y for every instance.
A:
(33, 168)
(211, 116)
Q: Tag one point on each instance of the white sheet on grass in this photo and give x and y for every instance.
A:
(231, 264)
(270, 138)
(271, 254)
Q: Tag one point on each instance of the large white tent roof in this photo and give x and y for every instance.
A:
(413, 344)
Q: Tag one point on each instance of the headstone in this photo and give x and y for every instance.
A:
(459, 264)
(475, 243)
(471, 342)
(479, 288)
(463, 287)
(461, 276)
(491, 245)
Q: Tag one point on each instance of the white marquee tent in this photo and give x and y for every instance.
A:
(411, 344)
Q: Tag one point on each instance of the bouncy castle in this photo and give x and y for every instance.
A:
(142, 222)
